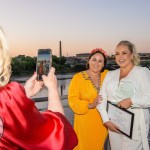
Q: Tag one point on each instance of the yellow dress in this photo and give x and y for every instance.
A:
(88, 124)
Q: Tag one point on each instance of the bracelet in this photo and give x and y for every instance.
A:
(89, 106)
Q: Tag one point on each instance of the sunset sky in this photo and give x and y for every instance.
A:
(81, 25)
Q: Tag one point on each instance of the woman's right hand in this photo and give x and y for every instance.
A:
(32, 86)
(54, 102)
(112, 127)
(50, 81)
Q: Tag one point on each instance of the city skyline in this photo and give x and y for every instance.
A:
(80, 25)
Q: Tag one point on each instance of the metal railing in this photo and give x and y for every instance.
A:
(66, 107)
(43, 99)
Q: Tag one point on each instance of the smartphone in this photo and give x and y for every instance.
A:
(44, 62)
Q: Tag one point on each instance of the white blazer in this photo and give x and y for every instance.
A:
(136, 85)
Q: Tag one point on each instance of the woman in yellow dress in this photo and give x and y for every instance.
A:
(83, 98)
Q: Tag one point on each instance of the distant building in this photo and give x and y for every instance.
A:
(144, 56)
(84, 56)
(21, 56)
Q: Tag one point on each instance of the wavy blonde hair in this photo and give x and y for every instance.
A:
(132, 49)
(5, 60)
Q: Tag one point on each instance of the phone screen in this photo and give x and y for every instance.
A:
(44, 62)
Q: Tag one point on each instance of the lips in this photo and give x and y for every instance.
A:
(121, 61)
(96, 67)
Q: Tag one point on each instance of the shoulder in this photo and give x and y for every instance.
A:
(141, 70)
(79, 75)
(14, 87)
(14, 84)
(12, 90)
(111, 75)
(104, 73)
(113, 72)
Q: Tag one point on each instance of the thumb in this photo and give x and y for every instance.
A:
(43, 77)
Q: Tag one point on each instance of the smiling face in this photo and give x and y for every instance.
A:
(96, 63)
(123, 56)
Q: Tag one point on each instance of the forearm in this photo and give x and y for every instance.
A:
(102, 110)
(54, 102)
(77, 105)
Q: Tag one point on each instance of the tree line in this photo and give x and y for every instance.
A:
(26, 65)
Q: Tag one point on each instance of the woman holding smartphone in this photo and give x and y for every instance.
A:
(22, 126)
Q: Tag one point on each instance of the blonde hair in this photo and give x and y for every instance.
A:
(5, 60)
(132, 49)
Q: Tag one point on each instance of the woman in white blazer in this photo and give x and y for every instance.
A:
(129, 88)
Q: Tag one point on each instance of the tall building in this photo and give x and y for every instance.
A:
(60, 50)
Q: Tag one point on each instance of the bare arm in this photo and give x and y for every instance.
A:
(54, 102)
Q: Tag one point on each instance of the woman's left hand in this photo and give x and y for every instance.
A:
(97, 101)
(125, 103)
(32, 86)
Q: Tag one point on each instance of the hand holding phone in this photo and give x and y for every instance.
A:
(44, 62)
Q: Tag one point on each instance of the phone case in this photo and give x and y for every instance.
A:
(44, 61)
